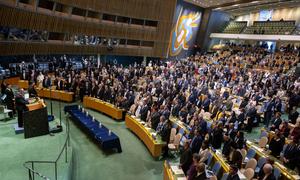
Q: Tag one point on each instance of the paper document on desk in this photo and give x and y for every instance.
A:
(176, 170)
(296, 177)
(181, 178)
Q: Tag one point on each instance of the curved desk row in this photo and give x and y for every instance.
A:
(104, 107)
(24, 84)
(55, 94)
(147, 135)
(172, 172)
(285, 172)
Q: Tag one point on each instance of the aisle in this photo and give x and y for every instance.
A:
(90, 162)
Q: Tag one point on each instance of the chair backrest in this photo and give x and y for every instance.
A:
(249, 173)
(177, 138)
(277, 173)
(263, 142)
(209, 159)
(251, 164)
(181, 131)
(251, 153)
(263, 134)
(261, 161)
(225, 176)
(172, 135)
(216, 168)
(244, 153)
(183, 140)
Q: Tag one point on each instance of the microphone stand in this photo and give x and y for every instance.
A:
(51, 102)
(59, 106)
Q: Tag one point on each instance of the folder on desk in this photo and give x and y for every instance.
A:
(177, 170)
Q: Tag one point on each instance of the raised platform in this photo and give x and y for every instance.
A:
(18, 130)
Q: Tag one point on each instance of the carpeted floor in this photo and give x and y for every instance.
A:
(89, 161)
(135, 162)
(15, 151)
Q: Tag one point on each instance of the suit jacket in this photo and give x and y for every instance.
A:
(201, 176)
(276, 146)
(277, 123)
(292, 153)
(154, 120)
(9, 100)
(165, 132)
(186, 159)
(270, 177)
(144, 112)
(217, 138)
(238, 143)
(233, 177)
(196, 144)
(21, 104)
(227, 147)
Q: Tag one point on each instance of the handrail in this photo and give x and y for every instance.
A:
(32, 171)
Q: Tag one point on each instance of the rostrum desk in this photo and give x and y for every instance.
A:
(154, 145)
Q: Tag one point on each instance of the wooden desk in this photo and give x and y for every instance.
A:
(154, 145)
(104, 107)
(23, 84)
(167, 172)
(11, 80)
(285, 172)
(36, 105)
(55, 94)
(218, 157)
(180, 124)
(170, 175)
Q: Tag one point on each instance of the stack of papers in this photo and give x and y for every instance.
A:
(176, 170)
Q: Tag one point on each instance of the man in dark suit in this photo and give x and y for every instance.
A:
(165, 135)
(9, 100)
(291, 154)
(47, 82)
(293, 115)
(233, 173)
(21, 106)
(227, 146)
(201, 173)
(31, 90)
(176, 109)
(231, 131)
(251, 115)
(144, 111)
(276, 122)
(268, 112)
(186, 158)
(196, 142)
(206, 104)
(217, 136)
(155, 118)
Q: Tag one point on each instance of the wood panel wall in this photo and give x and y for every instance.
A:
(158, 10)
(19, 48)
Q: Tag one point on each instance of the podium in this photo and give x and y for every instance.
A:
(36, 119)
